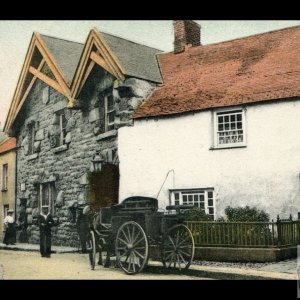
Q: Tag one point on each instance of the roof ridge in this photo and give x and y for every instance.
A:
(57, 38)
(240, 38)
(116, 36)
(130, 41)
(254, 35)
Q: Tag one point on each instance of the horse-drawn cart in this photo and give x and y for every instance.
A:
(132, 229)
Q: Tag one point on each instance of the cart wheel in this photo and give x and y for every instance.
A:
(131, 248)
(91, 248)
(178, 247)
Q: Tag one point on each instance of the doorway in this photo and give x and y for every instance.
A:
(103, 187)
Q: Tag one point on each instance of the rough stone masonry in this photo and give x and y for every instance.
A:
(52, 166)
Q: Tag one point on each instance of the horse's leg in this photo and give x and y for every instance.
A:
(108, 253)
(100, 256)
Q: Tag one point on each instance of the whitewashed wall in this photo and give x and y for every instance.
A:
(265, 174)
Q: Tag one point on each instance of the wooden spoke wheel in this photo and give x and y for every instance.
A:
(178, 247)
(131, 248)
(91, 248)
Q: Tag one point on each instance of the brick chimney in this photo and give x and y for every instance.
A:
(187, 33)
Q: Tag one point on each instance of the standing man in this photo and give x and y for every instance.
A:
(10, 229)
(82, 228)
(45, 222)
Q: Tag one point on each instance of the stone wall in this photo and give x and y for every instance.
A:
(65, 167)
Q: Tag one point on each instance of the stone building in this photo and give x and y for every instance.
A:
(7, 178)
(223, 128)
(69, 103)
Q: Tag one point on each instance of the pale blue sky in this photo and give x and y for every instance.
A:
(15, 37)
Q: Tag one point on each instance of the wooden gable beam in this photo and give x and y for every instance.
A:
(10, 116)
(86, 75)
(107, 60)
(58, 74)
(100, 61)
(61, 85)
(46, 79)
(33, 80)
(81, 67)
(109, 56)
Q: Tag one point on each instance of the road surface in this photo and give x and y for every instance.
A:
(30, 265)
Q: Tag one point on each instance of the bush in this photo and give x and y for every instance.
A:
(196, 214)
(246, 214)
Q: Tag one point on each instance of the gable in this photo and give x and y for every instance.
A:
(95, 52)
(38, 64)
(117, 56)
(65, 65)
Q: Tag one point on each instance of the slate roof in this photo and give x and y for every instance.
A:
(254, 69)
(65, 53)
(138, 60)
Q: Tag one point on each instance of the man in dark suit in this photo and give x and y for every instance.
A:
(45, 222)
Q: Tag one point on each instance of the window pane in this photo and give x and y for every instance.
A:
(210, 194)
(227, 129)
(184, 199)
(110, 103)
(45, 200)
(111, 117)
(110, 127)
(201, 197)
(196, 198)
(176, 196)
(176, 202)
(210, 202)
(211, 211)
(202, 205)
(190, 199)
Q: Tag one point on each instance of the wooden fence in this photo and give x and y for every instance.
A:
(282, 233)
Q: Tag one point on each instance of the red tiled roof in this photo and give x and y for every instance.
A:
(253, 69)
(7, 145)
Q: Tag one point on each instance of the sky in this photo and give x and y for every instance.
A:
(15, 38)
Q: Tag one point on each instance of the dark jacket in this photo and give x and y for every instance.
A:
(45, 224)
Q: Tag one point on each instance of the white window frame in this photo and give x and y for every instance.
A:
(229, 111)
(4, 177)
(107, 112)
(205, 193)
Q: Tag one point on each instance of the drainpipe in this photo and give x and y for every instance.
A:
(16, 182)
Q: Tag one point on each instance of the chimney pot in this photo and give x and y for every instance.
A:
(187, 32)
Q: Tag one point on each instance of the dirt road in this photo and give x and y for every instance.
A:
(30, 265)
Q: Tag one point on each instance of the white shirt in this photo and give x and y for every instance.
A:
(8, 219)
(45, 216)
